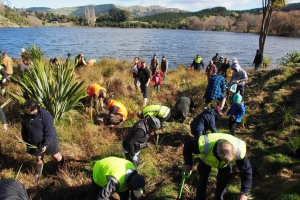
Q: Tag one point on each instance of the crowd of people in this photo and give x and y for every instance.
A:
(121, 175)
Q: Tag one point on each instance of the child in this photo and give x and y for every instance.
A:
(236, 113)
(157, 80)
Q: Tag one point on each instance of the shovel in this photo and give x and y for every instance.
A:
(183, 177)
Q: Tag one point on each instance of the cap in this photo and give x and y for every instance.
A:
(23, 50)
(153, 123)
(137, 182)
(237, 98)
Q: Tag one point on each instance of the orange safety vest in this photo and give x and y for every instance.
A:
(122, 109)
(94, 90)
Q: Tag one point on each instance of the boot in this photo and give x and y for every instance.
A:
(145, 102)
(38, 171)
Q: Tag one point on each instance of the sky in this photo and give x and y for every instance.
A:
(189, 5)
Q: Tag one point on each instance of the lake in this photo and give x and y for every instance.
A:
(179, 46)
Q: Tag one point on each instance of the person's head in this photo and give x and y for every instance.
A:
(237, 98)
(197, 56)
(164, 57)
(154, 56)
(107, 100)
(4, 54)
(234, 61)
(23, 50)
(137, 182)
(226, 60)
(257, 51)
(79, 55)
(221, 58)
(225, 151)
(143, 64)
(211, 62)
(153, 123)
(136, 59)
(217, 54)
(69, 55)
(102, 93)
(31, 107)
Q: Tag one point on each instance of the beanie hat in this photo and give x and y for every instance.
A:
(137, 181)
(234, 61)
(237, 98)
(153, 123)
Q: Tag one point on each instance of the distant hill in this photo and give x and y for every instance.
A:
(135, 11)
(289, 7)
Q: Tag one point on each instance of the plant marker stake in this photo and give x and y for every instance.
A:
(183, 177)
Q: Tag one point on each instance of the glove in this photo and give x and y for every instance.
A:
(135, 158)
(4, 81)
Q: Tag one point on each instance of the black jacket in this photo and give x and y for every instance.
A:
(204, 121)
(39, 129)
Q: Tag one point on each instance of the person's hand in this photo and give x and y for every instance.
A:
(147, 84)
(4, 81)
(43, 149)
(135, 158)
(242, 196)
(5, 127)
(187, 168)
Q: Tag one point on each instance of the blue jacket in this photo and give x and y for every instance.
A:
(238, 110)
(216, 87)
(204, 121)
(39, 129)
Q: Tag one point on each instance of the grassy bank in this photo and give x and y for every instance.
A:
(270, 131)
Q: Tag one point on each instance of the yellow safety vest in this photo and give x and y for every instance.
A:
(207, 142)
(156, 111)
(112, 167)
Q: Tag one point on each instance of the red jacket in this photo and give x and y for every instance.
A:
(157, 79)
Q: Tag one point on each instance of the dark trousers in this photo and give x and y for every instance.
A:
(232, 126)
(144, 90)
(240, 89)
(97, 189)
(222, 181)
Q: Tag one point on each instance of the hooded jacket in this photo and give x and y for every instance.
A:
(240, 74)
(204, 121)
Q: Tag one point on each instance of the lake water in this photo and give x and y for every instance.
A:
(179, 46)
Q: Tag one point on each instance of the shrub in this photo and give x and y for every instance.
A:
(266, 62)
(53, 88)
(290, 57)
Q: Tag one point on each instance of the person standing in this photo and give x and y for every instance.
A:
(210, 70)
(197, 63)
(258, 60)
(3, 120)
(163, 113)
(220, 151)
(224, 68)
(3, 79)
(239, 76)
(38, 130)
(137, 65)
(137, 138)
(114, 174)
(144, 78)
(164, 66)
(236, 113)
(183, 106)
(154, 64)
(69, 60)
(220, 63)
(205, 121)
(215, 59)
(8, 64)
(157, 79)
(215, 90)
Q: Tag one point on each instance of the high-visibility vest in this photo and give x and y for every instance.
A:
(112, 167)
(122, 109)
(156, 111)
(1, 76)
(94, 90)
(206, 145)
(198, 60)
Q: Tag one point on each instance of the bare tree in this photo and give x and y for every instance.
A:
(268, 8)
(90, 17)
